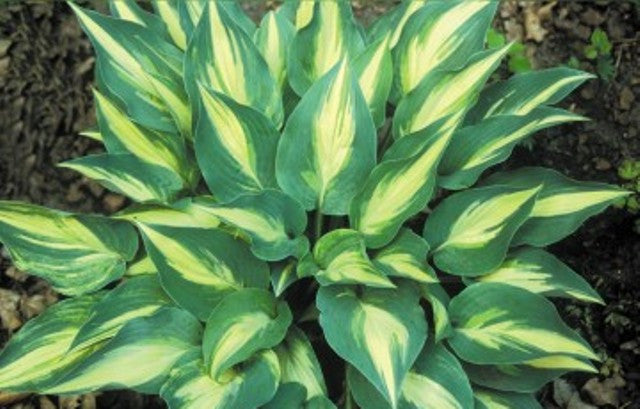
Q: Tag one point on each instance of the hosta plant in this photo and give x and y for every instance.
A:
(313, 225)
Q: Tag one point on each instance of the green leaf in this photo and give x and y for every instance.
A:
(525, 378)
(378, 331)
(562, 205)
(374, 68)
(136, 297)
(331, 36)
(198, 267)
(37, 355)
(439, 300)
(167, 11)
(77, 254)
(139, 69)
(131, 11)
(522, 93)
(288, 396)
(488, 399)
(273, 38)
(320, 402)
(189, 387)
(274, 222)
(323, 166)
(406, 256)
(283, 274)
(299, 364)
(470, 231)
(235, 146)
(495, 39)
(430, 41)
(400, 186)
(124, 173)
(149, 346)
(243, 323)
(497, 323)
(231, 64)
(473, 149)
(600, 41)
(441, 94)
(436, 381)
(540, 272)
(341, 258)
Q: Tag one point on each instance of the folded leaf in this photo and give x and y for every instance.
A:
(501, 324)
(331, 35)
(525, 378)
(562, 205)
(470, 231)
(378, 331)
(540, 272)
(274, 222)
(436, 381)
(150, 347)
(273, 38)
(243, 323)
(391, 24)
(522, 93)
(299, 364)
(374, 68)
(189, 387)
(406, 256)
(124, 173)
(443, 94)
(136, 297)
(341, 258)
(198, 267)
(283, 274)
(77, 254)
(222, 56)
(167, 11)
(131, 11)
(400, 186)
(439, 300)
(489, 399)
(37, 355)
(132, 57)
(329, 143)
(431, 41)
(288, 396)
(475, 148)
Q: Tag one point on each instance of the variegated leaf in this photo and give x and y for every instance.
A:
(235, 146)
(139, 69)
(198, 267)
(391, 24)
(299, 364)
(562, 205)
(150, 346)
(540, 272)
(274, 222)
(242, 324)
(497, 323)
(528, 377)
(470, 231)
(331, 36)
(328, 145)
(191, 12)
(141, 267)
(379, 331)
(490, 399)
(180, 214)
(124, 173)
(273, 38)
(436, 381)
(431, 40)
(439, 299)
(400, 186)
(340, 257)
(475, 148)
(374, 68)
(121, 134)
(131, 11)
(522, 93)
(222, 56)
(189, 386)
(443, 94)
(37, 355)
(75, 253)
(406, 256)
(283, 274)
(167, 11)
(136, 297)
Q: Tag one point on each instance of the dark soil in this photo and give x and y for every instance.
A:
(46, 75)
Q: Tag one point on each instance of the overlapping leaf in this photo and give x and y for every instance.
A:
(374, 68)
(406, 256)
(273, 38)
(490, 399)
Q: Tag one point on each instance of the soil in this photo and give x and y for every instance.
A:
(46, 75)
